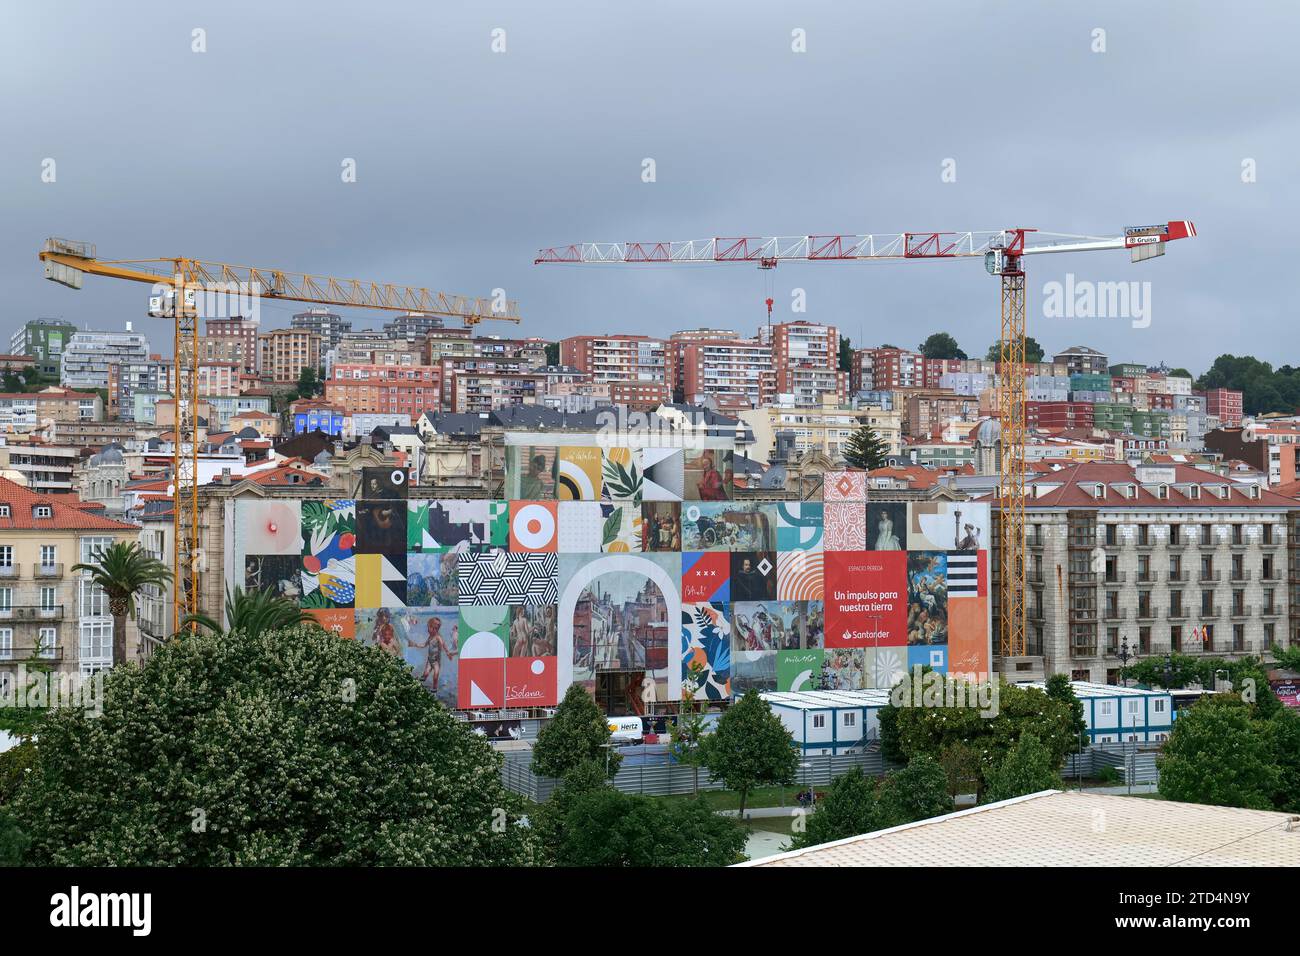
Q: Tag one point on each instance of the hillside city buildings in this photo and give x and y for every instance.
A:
(1162, 518)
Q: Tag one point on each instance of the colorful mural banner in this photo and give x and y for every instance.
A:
(630, 572)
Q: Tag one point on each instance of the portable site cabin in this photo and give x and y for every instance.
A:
(1116, 714)
(830, 721)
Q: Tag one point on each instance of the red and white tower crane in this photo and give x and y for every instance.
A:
(1003, 252)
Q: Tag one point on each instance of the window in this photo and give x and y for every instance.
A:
(4, 511)
(42, 511)
(819, 721)
(1104, 708)
(96, 642)
(6, 643)
(49, 599)
(1158, 705)
(6, 556)
(1132, 707)
(6, 599)
(850, 720)
(90, 548)
(92, 600)
(48, 641)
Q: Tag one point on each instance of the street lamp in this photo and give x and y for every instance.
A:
(1125, 653)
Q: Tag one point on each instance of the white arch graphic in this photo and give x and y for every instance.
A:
(610, 564)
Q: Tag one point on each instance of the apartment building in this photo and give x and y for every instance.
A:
(616, 358)
(386, 389)
(44, 340)
(488, 388)
(825, 429)
(219, 378)
(722, 370)
(887, 369)
(230, 340)
(1224, 404)
(929, 412)
(1081, 360)
(89, 354)
(805, 358)
(27, 410)
(1272, 446)
(229, 348)
(328, 326)
(412, 326)
(125, 379)
(284, 353)
(48, 612)
(1152, 559)
(43, 467)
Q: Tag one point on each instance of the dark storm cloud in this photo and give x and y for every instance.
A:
(469, 161)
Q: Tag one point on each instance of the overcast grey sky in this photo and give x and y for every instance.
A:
(468, 160)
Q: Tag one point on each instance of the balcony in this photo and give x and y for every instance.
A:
(1272, 610)
(1241, 610)
(1180, 545)
(1147, 613)
(1115, 614)
(1115, 577)
(1177, 613)
(1147, 545)
(9, 572)
(1034, 576)
(1240, 544)
(1209, 576)
(1083, 650)
(25, 652)
(1083, 614)
(1080, 577)
(47, 571)
(1176, 577)
(27, 612)
(1210, 611)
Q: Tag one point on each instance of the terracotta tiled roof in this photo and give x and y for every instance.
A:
(1073, 493)
(67, 513)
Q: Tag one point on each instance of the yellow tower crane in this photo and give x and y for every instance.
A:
(178, 282)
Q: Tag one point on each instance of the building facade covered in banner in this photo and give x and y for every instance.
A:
(633, 572)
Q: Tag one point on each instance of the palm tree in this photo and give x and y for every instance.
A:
(122, 570)
(254, 612)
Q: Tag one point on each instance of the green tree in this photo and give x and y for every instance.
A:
(287, 748)
(846, 354)
(907, 732)
(13, 842)
(548, 819)
(576, 734)
(962, 764)
(941, 345)
(749, 747)
(1060, 689)
(123, 570)
(552, 353)
(865, 449)
(1217, 754)
(254, 612)
(607, 828)
(847, 809)
(689, 726)
(1033, 351)
(309, 382)
(917, 792)
(1028, 767)
(1284, 733)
